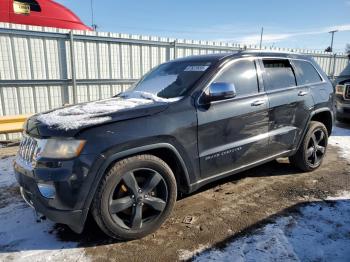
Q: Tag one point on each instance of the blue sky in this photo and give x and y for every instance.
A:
(294, 24)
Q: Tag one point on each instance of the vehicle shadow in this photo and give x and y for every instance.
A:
(292, 230)
(279, 167)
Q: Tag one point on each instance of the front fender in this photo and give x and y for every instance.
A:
(107, 160)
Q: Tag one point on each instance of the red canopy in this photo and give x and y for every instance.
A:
(40, 13)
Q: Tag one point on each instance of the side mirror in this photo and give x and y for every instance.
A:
(221, 91)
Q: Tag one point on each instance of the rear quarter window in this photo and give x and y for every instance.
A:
(306, 73)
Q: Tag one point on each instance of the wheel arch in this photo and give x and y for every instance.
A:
(324, 116)
(165, 151)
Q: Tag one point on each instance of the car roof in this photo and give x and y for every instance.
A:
(206, 58)
(212, 58)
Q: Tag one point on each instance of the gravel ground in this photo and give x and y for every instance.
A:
(210, 218)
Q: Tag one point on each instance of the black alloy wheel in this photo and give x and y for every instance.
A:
(138, 199)
(134, 197)
(312, 149)
(316, 147)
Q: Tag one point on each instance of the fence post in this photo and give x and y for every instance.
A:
(175, 49)
(334, 61)
(63, 65)
(72, 63)
(329, 73)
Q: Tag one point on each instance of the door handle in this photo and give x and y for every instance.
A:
(302, 93)
(258, 102)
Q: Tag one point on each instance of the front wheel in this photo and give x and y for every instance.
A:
(312, 149)
(135, 197)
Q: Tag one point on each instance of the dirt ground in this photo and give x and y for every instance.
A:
(219, 211)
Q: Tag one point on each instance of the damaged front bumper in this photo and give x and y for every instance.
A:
(62, 201)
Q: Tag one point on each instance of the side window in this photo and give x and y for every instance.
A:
(243, 75)
(278, 74)
(306, 73)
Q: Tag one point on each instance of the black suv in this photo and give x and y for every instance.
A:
(342, 90)
(184, 124)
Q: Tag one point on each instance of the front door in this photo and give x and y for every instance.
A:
(233, 133)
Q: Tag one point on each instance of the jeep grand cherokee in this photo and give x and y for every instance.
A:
(184, 124)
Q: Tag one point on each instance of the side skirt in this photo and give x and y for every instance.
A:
(202, 182)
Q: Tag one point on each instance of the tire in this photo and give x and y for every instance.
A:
(339, 119)
(342, 119)
(310, 155)
(142, 184)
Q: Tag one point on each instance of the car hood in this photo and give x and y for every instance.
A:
(69, 121)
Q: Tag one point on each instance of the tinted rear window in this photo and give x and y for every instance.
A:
(278, 74)
(306, 72)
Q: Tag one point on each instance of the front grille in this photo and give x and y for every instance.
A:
(347, 92)
(28, 149)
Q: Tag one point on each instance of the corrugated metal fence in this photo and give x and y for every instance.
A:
(37, 71)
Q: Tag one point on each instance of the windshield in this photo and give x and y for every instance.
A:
(172, 79)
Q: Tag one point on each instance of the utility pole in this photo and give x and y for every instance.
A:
(334, 57)
(332, 32)
(261, 36)
(93, 25)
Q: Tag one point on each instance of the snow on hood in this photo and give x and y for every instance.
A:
(94, 113)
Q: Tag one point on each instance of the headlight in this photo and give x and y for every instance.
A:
(339, 89)
(61, 148)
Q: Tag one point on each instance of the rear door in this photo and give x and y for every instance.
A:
(288, 104)
(311, 84)
(234, 132)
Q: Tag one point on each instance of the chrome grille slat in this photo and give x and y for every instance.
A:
(32, 150)
(28, 149)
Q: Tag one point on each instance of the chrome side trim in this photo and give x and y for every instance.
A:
(280, 131)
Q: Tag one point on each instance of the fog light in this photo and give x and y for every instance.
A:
(47, 190)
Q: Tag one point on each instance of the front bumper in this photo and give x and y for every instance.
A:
(71, 183)
(74, 219)
(343, 109)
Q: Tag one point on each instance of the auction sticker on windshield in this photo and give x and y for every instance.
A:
(196, 68)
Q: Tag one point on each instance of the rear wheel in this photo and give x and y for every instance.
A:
(135, 197)
(312, 149)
